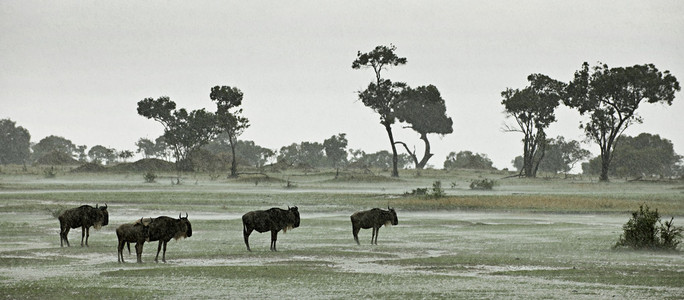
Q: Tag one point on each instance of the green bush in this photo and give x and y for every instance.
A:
(483, 184)
(437, 190)
(645, 231)
(150, 177)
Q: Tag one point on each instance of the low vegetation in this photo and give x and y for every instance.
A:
(535, 237)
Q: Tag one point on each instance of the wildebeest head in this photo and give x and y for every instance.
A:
(393, 214)
(186, 228)
(295, 215)
(102, 217)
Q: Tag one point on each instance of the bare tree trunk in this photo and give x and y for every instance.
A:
(427, 155)
(395, 172)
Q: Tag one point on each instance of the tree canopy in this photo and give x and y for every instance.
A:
(424, 110)
(611, 97)
(382, 94)
(229, 117)
(184, 132)
(15, 143)
(533, 109)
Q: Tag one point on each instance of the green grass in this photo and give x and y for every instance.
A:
(543, 238)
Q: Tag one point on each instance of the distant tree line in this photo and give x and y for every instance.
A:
(607, 97)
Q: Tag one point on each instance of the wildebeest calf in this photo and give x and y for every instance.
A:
(137, 232)
(163, 229)
(84, 216)
(272, 220)
(373, 218)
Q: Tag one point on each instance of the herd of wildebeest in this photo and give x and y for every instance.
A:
(164, 228)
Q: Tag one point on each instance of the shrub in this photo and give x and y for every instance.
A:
(50, 173)
(483, 184)
(645, 231)
(437, 190)
(150, 177)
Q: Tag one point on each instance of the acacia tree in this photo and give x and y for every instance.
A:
(184, 132)
(533, 110)
(611, 96)
(228, 99)
(382, 94)
(424, 111)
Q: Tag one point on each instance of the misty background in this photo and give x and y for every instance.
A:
(77, 69)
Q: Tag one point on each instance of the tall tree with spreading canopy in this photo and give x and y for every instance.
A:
(229, 115)
(382, 94)
(184, 132)
(424, 111)
(611, 96)
(533, 110)
(15, 143)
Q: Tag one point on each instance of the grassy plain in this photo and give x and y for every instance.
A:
(541, 238)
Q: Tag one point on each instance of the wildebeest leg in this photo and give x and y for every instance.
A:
(164, 253)
(246, 233)
(158, 249)
(138, 251)
(63, 236)
(355, 232)
(274, 238)
(129, 247)
(85, 232)
(119, 251)
(377, 232)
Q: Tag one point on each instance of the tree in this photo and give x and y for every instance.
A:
(146, 147)
(611, 96)
(55, 146)
(125, 154)
(15, 143)
(467, 160)
(310, 154)
(101, 154)
(228, 99)
(382, 94)
(253, 154)
(561, 156)
(424, 110)
(336, 150)
(184, 132)
(533, 110)
(643, 155)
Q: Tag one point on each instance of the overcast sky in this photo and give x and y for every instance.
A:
(77, 69)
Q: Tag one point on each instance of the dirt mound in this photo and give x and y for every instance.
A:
(57, 158)
(145, 165)
(90, 167)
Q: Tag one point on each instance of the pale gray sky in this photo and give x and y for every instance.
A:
(77, 69)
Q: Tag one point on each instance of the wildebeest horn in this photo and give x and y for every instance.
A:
(179, 215)
(95, 205)
(105, 205)
(186, 214)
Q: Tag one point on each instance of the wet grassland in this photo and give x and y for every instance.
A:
(541, 238)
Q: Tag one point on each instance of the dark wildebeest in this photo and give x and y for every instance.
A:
(137, 232)
(84, 217)
(163, 229)
(373, 218)
(272, 220)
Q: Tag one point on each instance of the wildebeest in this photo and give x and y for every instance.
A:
(273, 220)
(373, 218)
(84, 216)
(163, 229)
(137, 232)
